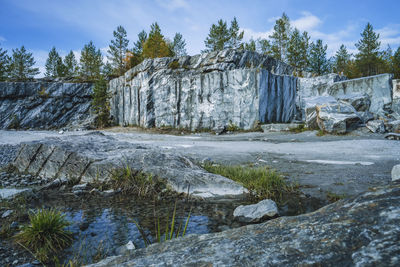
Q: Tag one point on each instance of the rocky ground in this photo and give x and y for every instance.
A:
(345, 165)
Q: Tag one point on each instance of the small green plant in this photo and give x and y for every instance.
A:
(45, 235)
(262, 182)
(333, 197)
(170, 231)
(15, 122)
(174, 65)
(321, 133)
(135, 182)
(43, 94)
(232, 127)
(299, 129)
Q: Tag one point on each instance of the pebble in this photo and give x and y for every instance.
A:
(7, 213)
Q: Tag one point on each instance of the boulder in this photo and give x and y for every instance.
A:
(310, 112)
(361, 102)
(365, 116)
(91, 158)
(257, 212)
(337, 118)
(11, 193)
(376, 126)
(358, 231)
(393, 126)
(396, 173)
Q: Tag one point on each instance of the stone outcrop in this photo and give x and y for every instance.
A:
(93, 157)
(256, 212)
(396, 96)
(213, 90)
(359, 231)
(376, 126)
(45, 105)
(396, 173)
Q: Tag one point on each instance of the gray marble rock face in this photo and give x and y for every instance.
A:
(45, 105)
(309, 110)
(93, 157)
(337, 118)
(212, 91)
(359, 231)
(376, 126)
(393, 126)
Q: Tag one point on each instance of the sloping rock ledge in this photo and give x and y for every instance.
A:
(360, 231)
(92, 157)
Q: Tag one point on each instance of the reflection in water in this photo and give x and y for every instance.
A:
(100, 226)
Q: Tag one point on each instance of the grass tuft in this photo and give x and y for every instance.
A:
(333, 197)
(299, 129)
(45, 235)
(262, 182)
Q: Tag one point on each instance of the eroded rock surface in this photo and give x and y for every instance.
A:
(45, 105)
(212, 90)
(360, 231)
(92, 158)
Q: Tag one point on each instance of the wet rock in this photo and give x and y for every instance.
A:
(93, 157)
(337, 118)
(256, 212)
(376, 126)
(359, 231)
(396, 173)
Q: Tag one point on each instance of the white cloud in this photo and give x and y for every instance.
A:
(307, 22)
(172, 5)
(389, 35)
(249, 33)
(2, 39)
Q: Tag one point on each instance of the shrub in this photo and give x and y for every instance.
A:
(100, 103)
(261, 181)
(174, 65)
(45, 235)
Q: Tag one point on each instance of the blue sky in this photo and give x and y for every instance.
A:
(69, 24)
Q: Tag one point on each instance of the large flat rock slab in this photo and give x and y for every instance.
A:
(92, 158)
(361, 231)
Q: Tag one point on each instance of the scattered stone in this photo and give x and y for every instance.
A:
(393, 126)
(392, 136)
(337, 118)
(80, 187)
(279, 127)
(14, 225)
(396, 173)
(257, 212)
(108, 193)
(7, 213)
(125, 249)
(10, 193)
(376, 126)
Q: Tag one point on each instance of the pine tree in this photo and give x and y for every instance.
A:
(368, 51)
(264, 46)
(386, 61)
(178, 45)
(156, 46)
(21, 67)
(70, 65)
(396, 64)
(54, 65)
(297, 51)
(90, 63)
(135, 56)
(117, 50)
(235, 35)
(318, 64)
(251, 45)
(280, 38)
(100, 103)
(4, 64)
(341, 60)
(218, 37)
(107, 70)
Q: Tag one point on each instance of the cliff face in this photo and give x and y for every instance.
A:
(210, 91)
(44, 105)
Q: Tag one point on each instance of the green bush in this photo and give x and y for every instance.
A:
(261, 182)
(174, 65)
(45, 235)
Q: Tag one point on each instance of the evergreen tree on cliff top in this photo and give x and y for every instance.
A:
(368, 51)
(178, 45)
(297, 50)
(21, 67)
(218, 37)
(135, 56)
(117, 50)
(54, 65)
(4, 64)
(319, 63)
(341, 60)
(70, 65)
(155, 45)
(90, 63)
(235, 35)
(280, 38)
(396, 63)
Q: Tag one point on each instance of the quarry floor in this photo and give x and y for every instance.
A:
(345, 165)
